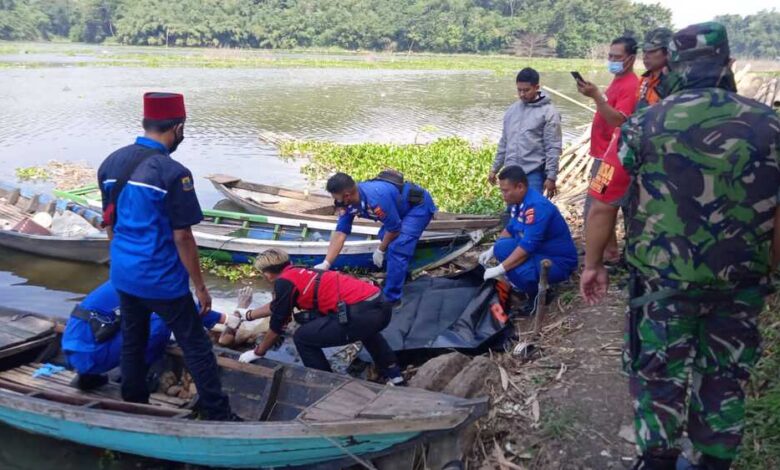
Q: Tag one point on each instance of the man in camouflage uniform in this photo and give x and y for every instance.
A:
(703, 237)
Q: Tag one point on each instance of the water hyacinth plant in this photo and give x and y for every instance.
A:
(454, 171)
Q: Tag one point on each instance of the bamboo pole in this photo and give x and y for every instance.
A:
(567, 98)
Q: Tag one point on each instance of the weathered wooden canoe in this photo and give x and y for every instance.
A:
(238, 237)
(282, 202)
(16, 207)
(293, 416)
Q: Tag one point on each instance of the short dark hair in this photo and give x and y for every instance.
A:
(514, 174)
(339, 182)
(152, 125)
(629, 44)
(276, 268)
(528, 75)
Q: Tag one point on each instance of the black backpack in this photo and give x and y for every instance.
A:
(416, 195)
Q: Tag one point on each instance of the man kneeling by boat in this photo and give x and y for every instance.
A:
(92, 340)
(536, 230)
(336, 309)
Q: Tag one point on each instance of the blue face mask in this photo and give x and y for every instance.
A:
(614, 67)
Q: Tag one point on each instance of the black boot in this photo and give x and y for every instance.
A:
(711, 463)
(88, 382)
(648, 461)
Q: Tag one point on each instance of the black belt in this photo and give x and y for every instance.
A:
(81, 313)
(103, 327)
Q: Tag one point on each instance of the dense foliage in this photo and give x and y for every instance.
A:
(754, 35)
(452, 170)
(566, 28)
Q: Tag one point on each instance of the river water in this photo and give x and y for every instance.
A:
(82, 113)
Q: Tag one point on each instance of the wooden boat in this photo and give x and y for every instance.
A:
(282, 202)
(293, 416)
(238, 238)
(16, 208)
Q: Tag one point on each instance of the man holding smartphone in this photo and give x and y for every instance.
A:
(612, 110)
(531, 136)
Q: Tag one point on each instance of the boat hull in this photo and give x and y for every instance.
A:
(85, 250)
(235, 451)
(289, 199)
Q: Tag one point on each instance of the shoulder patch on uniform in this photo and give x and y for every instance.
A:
(186, 184)
(379, 212)
(529, 215)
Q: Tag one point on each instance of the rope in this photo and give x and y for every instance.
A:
(358, 460)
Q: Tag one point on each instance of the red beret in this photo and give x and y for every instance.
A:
(163, 106)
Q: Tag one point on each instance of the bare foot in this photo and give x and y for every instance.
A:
(244, 297)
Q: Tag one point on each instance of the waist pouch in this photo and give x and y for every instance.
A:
(103, 327)
(305, 316)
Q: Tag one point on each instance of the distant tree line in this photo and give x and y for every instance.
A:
(754, 35)
(563, 28)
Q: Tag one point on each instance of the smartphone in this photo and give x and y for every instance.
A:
(577, 77)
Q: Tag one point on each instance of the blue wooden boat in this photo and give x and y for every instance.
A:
(293, 416)
(238, 237)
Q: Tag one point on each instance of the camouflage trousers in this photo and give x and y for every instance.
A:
(688, 362)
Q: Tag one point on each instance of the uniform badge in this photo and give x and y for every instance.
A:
(529, 216)
(378, 212)
(186, 184)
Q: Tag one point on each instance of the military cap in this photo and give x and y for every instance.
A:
(657, 39)
(697, 42)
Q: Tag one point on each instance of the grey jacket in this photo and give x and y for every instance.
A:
(531, 137)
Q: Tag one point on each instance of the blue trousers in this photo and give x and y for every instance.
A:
(536, 180)
(401, 250)
(525, 277)
(181, 316)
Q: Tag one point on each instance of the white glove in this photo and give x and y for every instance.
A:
(243, 312)
(485, 256)
(324, 266)
(248, 356)
(491, 273)
(379, 257)
(232, 320)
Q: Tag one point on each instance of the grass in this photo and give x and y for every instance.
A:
(32, 173)
(761, 443)
(451, 169)
(161, 57)
(229, 271)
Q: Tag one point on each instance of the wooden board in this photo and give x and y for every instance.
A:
(61, 383)
(19, 328)
(343, 403)
(396, 402)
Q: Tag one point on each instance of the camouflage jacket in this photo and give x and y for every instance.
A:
(705, 179)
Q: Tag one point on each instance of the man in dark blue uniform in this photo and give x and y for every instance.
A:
(93, 346)
(149, 206)
(404, 209)
(535, 231)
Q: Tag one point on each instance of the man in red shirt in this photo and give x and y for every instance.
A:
(336, 309)
(612, 110)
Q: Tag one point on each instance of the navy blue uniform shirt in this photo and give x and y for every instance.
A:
(158, 199)
(540, 229)
(380, 201)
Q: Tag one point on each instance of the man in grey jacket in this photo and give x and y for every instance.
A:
(531, 138)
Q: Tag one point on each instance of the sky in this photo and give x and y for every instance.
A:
(685, 12)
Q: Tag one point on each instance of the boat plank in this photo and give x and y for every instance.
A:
(391, 404)
(110, 390)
